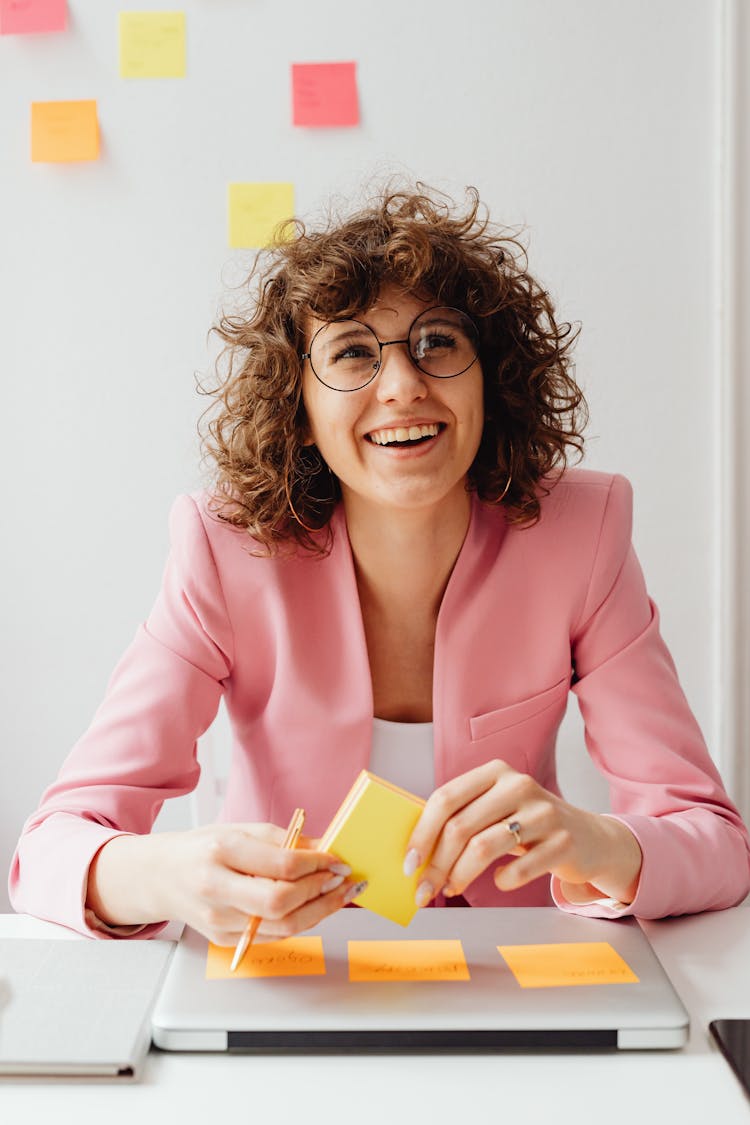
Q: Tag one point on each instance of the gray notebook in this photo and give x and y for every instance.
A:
(78, 1007)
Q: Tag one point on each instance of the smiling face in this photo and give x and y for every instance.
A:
(405, 441)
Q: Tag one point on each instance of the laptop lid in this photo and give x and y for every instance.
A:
(489, 1011)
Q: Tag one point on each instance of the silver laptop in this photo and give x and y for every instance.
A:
(488, 1012)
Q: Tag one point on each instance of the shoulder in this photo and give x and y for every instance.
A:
(593, 510)
(205, 543)
(584, 527)
(588, 506)
(589, 491)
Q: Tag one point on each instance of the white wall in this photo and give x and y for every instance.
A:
(592, 122)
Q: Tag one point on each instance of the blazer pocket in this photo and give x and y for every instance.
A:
(491, 722)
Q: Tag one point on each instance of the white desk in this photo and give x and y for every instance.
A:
(707, 957)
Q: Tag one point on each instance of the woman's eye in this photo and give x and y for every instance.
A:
(434, 342)
(353, 351)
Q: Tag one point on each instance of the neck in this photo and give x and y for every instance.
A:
(404, 558)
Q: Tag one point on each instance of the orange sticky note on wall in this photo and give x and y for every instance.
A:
(64, 131)
(325, 94)
(25, 17)
(435, 959)
(290, 957)
(567, 963)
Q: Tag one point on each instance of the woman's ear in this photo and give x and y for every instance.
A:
(305, 436)
(304, 433)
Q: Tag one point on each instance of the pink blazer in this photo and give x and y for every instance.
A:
(528, 615)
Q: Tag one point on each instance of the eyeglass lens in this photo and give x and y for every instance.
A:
(346, 354)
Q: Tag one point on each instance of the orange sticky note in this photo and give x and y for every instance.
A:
(567, 963)
(291, 957)
(325, 94)
(407, 960)
(255, 210)
(64, 131)
(24, 17)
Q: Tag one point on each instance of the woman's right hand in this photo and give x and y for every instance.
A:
(217, 877)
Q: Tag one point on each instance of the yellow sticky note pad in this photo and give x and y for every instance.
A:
(370, 831)
(152, 44)
(255, 210)
(64, 131)
(407, 960)
(291, 957)
(567, 963)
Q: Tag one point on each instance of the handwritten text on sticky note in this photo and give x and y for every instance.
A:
(25, 17)
(255, 210)
(152, 44)
(64, 131)
(324, 94)
(407, 960)
(567, 963)
(291, 957)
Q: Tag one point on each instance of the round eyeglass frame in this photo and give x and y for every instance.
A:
(387, 343)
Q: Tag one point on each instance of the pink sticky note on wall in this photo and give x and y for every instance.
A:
(23, 17)
(325, 94)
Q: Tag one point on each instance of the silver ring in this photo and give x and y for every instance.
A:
(515, 830)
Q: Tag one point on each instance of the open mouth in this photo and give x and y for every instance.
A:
(402, 437)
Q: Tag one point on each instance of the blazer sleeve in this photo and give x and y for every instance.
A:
(642, 735)
(140, 748)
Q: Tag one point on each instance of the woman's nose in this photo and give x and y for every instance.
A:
(398, 377)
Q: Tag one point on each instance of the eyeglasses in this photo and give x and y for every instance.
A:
(346, 355)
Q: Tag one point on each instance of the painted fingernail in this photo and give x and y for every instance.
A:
(331, 884)
(340, 869)
(355, 891)
(425, 891)
(411, 861)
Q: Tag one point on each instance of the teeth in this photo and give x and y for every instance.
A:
(403, 433)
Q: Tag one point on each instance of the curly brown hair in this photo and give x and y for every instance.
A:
(279, 489)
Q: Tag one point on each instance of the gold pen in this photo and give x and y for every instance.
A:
(293, 833)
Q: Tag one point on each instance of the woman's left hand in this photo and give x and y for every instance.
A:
(466, 826)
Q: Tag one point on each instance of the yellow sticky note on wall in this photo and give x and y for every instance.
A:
(255, 210)
(370, 832)
(437, 959)
(152, 44)
(290, 957)
(567, 963)
(64, 131)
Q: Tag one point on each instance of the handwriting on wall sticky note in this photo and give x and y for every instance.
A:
(64, 131)
(370, 831)
(437, 959)
(28, 17)
(255, 210)
(567, 963)
(291, 957)
(152, 44)
(325, 94)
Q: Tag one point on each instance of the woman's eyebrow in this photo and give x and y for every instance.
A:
(451, 321)
(345, 334)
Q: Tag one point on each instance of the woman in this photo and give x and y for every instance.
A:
(393, 569)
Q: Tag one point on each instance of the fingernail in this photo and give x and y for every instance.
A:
(331, 884)
(411, 862)
(355, 891)
(448, 891)
(340, 869)
(425, 891)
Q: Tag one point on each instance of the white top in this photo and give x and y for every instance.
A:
(403, 754)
